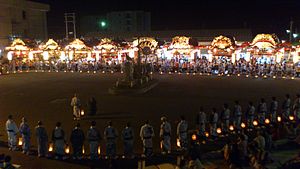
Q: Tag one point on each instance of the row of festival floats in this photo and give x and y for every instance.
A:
(264, 49)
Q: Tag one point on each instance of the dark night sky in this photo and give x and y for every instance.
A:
(270, 16)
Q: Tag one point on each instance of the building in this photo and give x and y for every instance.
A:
(129, 21)
(116, 22)
(22, 19)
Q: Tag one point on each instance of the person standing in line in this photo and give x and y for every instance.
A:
(201, 120)
(250, 114)
(92, 107)
(214, 121)
(128, 137)
(94, 137)
(110, 135)
(262, 110)
(146, 134)
(12, 131)
(286, 107)
(58, 138)
(273, 109)
(25, 132)
(77, 140)
(182, 130)
(42, 139)
(237, 114)
(165, 135)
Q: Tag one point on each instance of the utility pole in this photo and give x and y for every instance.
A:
(70, 18)
(291, 30)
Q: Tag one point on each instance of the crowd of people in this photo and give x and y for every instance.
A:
(220, 66)
(249, 133)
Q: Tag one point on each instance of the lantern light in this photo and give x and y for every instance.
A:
(67, 149)
(279, 119)
(206, 134)
(291, 117)
(267, 121)
(255, 123)
(219, 131)
(99, 150)
(50, 149)
(83, 151)
(9, 55)
(45, 55)
(243, 125)
(194, 137)
(82, 113)
(178, 143)
(20, 142)
(231, 128)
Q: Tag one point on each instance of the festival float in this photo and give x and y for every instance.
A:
(179, 49)
(107, 50)
(263, 49)
(222, 47)
(77, 51)
(17, 51)
(137, 78)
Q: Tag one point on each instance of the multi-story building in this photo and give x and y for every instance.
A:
(129, 21)
(24, 19)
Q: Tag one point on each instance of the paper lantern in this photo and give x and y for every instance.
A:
(50, 149)
(255, 123)
(67, 149)
(243, 125)
(178, 143)
(219, 130)
(20, 142)
(267, 121)
(194, 137)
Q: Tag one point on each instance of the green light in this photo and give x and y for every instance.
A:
(103, 24)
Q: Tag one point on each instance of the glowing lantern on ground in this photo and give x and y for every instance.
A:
(267, 121)
(219, 131)
(50, 149)
(82, 113)
(255, 123)
(178, 143)
(20, 142)
(67, 149)
(291, 117)
(231, 128)
(83, 151)
(194, 137)
(279, 119)
(206, 134)
(243, 125)
(99, 150)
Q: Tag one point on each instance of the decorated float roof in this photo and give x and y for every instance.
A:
(222, 42)
(106, 44)
(145, 42)
(77, 45)
(50, 45)
(17, 45)
(180, 42)
(264, 41)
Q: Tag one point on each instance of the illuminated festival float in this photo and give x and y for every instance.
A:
(179, 49)
(263, 49)
(50, 52)
(147, 46)
(223, 48)
(17, 51)
(137, 78)
(77, 51)
(107, 50)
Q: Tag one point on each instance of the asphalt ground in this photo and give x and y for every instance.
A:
(47, 96)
